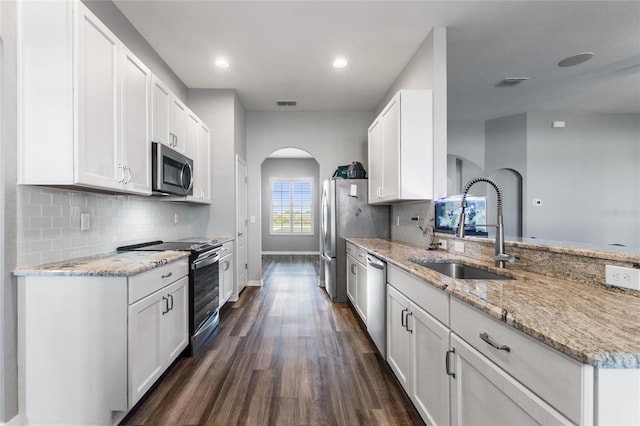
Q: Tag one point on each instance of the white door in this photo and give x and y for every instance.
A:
(145, 344)
(161, 102)
(361, 291)
(398, 337)
(136, 125)
(178, 124)
(175, 326)
(429, 379)
(241, 223)
(352, 279)
(98, 142)
(484, 394)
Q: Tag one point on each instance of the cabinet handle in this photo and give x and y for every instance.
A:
(166, 305)
(121, 173)
(410, 330)
(226, 265)
(446, 363)
(168, 275)
(403, 320)
(484, 336)
(354, 269)
(128, 169)
(170, 296)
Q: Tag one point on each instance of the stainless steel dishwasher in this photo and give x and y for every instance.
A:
(376, 302)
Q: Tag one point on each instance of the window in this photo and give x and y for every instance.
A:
(291, 206)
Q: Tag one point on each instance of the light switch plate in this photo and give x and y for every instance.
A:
(458, 246)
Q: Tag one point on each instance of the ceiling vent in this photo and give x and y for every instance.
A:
(510, 82)
(286, 103)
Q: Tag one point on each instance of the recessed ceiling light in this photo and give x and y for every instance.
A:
(340, 63)
(221, 63)
(575, 59)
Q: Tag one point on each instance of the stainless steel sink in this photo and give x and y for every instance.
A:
(459, 271)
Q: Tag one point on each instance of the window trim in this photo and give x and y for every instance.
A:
(310, 180)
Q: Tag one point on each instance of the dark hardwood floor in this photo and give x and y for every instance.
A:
(284, 355)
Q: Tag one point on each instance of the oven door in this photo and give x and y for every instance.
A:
(206, 297)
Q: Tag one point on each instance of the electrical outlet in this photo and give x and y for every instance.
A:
(458, 246)
(176, 218)
(622, 277)
(442, 244)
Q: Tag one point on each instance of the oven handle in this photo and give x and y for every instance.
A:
(205, 262)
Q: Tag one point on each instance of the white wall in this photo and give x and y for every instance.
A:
(587, 176)
(332, 138)
(224, 114)
(290, 168)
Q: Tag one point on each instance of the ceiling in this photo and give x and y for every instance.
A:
(283, 50)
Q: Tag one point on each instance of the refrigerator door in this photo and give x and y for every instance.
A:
(328, 221)
(329, 265)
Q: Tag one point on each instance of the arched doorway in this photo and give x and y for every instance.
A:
(290, 191)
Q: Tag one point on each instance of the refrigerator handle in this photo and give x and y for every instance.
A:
(325, 257)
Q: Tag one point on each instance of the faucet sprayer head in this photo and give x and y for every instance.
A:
(463, 205)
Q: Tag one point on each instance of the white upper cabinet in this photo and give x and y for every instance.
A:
(161, 111)
(203, 162)
(81, 122)
(178, 124)
(197, 148)
(403, 152)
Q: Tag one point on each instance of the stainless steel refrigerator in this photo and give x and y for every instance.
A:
(345, 213)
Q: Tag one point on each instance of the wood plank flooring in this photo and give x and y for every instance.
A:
(284, 355)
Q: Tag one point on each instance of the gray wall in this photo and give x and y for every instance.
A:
(290, 168)
(22, 204)
(587, 176)
(427, 69)
(332, 138)
(224, 114)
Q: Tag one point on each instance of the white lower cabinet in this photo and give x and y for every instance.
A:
(156, 335)
(226, 272)
(357, 279)
(90, 346)
(416, 346)
(484, 394)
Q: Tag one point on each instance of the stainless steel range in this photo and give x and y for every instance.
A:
(203, 283)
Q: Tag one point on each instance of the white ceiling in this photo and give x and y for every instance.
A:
(284, 50)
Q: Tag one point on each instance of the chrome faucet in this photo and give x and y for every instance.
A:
(500, 256)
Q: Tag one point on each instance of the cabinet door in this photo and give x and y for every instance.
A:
(226, 279)
(398, 338)
(352, 279)
(98, 62)
(146, 359)
(375, 162)
(429, 379)
(178, 124)
(390, 120)
(203, 162)
(161, 102)
(175, 325)
(361, 291)
(136, 126)
(193, 129)
(483, 394)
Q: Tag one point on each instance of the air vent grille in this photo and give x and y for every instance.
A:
(286, 103)
(512, 81)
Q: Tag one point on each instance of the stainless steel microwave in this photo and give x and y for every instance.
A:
(172, 172)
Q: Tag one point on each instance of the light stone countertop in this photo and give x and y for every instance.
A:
(111, 264)
(592, 324)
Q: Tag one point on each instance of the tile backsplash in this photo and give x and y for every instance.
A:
(49, 223)
(407, 231)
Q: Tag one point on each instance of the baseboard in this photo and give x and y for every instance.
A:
(254, 283)
(291, 253)
(12, 422)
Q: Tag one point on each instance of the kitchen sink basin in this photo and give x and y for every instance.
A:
(459, 271)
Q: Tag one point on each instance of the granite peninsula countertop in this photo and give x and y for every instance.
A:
(591, 324)
(112, 264)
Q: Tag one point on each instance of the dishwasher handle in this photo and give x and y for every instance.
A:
(376, 263)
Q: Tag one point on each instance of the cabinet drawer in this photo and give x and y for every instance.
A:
(431, 299)
(226, 250)
(551, 375)
(361, 255)
(148, 282)
(351, 249)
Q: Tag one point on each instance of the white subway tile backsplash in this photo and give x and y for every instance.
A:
(48, 223)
